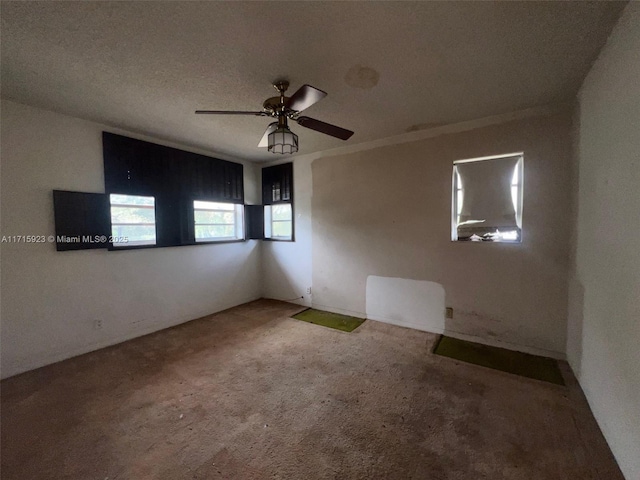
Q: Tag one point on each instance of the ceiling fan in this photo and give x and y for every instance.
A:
(278, 138)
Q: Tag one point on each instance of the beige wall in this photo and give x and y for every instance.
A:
(51, 300)
(604, 326)
(386, 212)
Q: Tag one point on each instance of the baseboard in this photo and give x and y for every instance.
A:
(16, 368)
(473, 338)
(341, 311)
(303, 302)
(399, 323)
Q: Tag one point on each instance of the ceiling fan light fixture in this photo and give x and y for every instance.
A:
(277, 137)
(283, 141)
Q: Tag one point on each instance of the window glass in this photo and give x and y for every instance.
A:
(279, 221)
(215, 221)
(487, 199)
(133, 220)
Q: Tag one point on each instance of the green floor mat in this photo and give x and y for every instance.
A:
(523, 364)
(331, 320)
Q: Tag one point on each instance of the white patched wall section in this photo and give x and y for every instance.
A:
(409, 303)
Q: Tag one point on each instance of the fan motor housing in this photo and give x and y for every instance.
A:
(273, 104)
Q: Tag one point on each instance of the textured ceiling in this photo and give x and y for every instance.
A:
(389, 67)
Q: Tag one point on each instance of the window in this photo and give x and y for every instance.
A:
(277, 197)
(278, 223)
(174, 179)
(487, 199)
(148, 199)
(216, 221)
(133, 220)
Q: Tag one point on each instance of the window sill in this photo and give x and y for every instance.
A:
(273, 239)
(210, 242)
(117, 248)
(111, 248)
(502, 242)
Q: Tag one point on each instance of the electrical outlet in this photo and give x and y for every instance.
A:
(449, 312)
(97, 324)
(308, 290)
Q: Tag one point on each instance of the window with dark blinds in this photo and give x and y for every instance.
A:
(175, 179)
(136, 167)
(277, 184)
(277, 196)
(153, 199)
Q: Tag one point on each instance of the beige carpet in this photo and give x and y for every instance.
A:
(251, 394)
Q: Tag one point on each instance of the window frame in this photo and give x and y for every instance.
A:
(278, 189)
(518, 204)
(134, 244)
(268, 220)
(239, 223)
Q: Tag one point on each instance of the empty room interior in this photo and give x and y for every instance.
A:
(323, 240)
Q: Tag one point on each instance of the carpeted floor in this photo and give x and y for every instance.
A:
(252, 394)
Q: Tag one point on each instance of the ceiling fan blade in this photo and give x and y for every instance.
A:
(305, 97)
(326, 128)
(264, 142)
(230, 112)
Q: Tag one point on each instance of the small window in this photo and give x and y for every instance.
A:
(215, 222)
(487, 199)
(278, 221)
(133, 220)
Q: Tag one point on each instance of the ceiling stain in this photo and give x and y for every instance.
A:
(362, 77)
(423, 126)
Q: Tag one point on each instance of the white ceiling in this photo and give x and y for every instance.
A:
(146, 66)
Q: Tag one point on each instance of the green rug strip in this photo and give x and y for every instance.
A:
(331, 320)
(523, 364)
